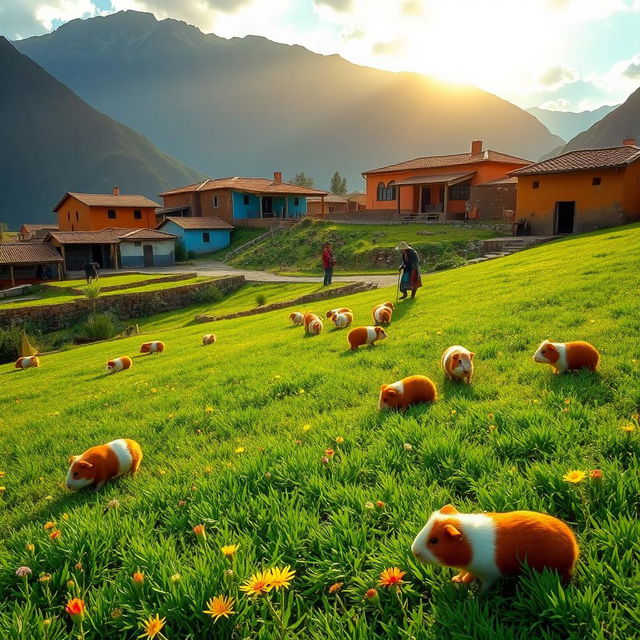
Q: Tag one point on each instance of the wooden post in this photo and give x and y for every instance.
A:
(322, 209)
(13, 281)
(286, 206)
(398, 198)
(446, 200)
(260, 205)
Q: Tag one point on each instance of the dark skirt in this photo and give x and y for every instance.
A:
(410, 279)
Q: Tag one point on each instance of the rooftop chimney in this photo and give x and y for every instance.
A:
(629, 142)
(116, 191)
(277, 177)
(476, 147)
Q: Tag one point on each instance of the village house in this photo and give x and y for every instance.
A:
(35, 232)
(21, 262)
(336, 204)
(581, 191)
(94, 211)
(439, 186)
(200, 235)
(239, 201)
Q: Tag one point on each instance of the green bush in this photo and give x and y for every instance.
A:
(207, 295)
(191, 255)
(99, 326)
(261, 299)
(181, 252)
(10, 343)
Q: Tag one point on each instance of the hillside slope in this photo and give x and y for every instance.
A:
(54, 142)
(249, 106)
(234, 437)
(568, 124)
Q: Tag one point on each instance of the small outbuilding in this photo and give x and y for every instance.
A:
(200, 235)
(22, 263)
(29, 232)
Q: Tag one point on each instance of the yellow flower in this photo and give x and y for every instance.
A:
(116, 613)
(574, 476)
(339, 440)
(258, 584)
(209, 410)
(3, 489)
(30, 547)
(2, 474)
(300, 391)
(391, 577)
(49, 525)
(152, 627)
(306, 427)
(490, 416)
(229, 549)
(628, 428)
(453, 412)
(208, 470)
(492, 427)
(65, 516)
(281, 577)
(175, 578)
(220, 606)
(239, 450)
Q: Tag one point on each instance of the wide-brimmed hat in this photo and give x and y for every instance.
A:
(402, 245)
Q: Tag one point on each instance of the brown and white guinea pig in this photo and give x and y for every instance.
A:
(488, 546)
(297, 318)
(457, 363)
(567, 356)
(99, 464)
(365, 335)
(26, 362)
(152, 347)
(342, 320)
(382, 313)
(312, 324)
(119, 364)
(332, 312)
(405, 392)
(209, 338)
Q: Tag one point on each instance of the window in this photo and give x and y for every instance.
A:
(111, 214)
(597, 181)
(215, 202)
(536, 184)
(77, 218)
(388, 192)
(296, 202)
(68, 216)
(245, 200)
(137, 214)
(381, 191)
(391, 191)
(137, 244)
(205, 236)
(460, 191)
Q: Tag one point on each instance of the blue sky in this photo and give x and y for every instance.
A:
(561, 54)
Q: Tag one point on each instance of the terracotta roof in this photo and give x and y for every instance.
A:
(332, 197)
(457, 159)
(28, 253)
(583, 160)
(146, 234)
(252, 185)
(37, 227)
(109, 200)
(448, 178)
(111, 235)
(202, 223)
(507, 180)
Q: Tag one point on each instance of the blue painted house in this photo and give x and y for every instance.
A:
(200, 235)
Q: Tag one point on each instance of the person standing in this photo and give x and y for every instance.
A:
(328, 262)
(410, 270)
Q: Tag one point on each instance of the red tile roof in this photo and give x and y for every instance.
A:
(109, 200)
(252, 185)
(449, 178)
(455, 160)
(28, 253)
(507, 180)
(111, 235)
(37, 227)
(202, 223)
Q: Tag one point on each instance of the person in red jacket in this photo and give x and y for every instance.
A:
(328, 262)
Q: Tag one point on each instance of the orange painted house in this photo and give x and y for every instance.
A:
(581, 190)
(94, 211)
(437, 185)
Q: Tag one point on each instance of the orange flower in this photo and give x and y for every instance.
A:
(379, 504)
(335, 587)
(49, 525)
(329, 453)
(371, 594)
(54, 535)
(201, 534)
(75, 608)
(220, 606)
(152, 627)
(258, 584)
(595, 474)
(138, 578)
(391, 577)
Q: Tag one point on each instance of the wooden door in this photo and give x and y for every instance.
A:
(148, 255)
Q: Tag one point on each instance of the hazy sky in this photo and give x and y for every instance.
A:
(562, 54)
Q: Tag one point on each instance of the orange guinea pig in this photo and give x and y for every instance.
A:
(566, 356)
(332, 312)
(152, 347)
(209, 338)
(342, 320)
(119, 364)
(297, 318)
(405, 392)
(382, 313)
(365, 335)
(99, 464)
(488, 546)
(26, 362)
(312, 324)
(457, 363)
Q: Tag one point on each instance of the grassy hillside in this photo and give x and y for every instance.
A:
(234, 435)
(363, 247)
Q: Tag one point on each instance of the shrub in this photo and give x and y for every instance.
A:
(181, 252)
(10, 343)
(99, 326)
(92, 291)
(191, 255)
(207, 295)
(261, 299)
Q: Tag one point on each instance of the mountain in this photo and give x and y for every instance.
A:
(568, 124)
(249, 106)
(622, 122)
(52, 142)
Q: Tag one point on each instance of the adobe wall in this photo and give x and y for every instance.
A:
(492, 200)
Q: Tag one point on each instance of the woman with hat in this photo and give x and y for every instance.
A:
(410, 270)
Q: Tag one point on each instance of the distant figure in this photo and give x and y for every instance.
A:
(46, 273)
(328, 262)
(410, 270)
(91, 271)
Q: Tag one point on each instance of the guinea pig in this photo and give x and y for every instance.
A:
(27, 361)
(119, 364)
(365, 335)
(405, 392)
(457, 363)
(488, 546)
(209, 338)
(382, 313)
(342, 320)
(152, 347)
(332, 312)
(566, 356)
(99, 464)
(312, 324)
(297, 318)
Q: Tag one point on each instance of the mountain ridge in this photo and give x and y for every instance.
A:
(568, 124)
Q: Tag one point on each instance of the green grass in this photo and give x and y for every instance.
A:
(358, 247)
(192, 408)
(239, 236)
(108, 281)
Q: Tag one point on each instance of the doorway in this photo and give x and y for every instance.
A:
(564, 218)
(148, 255)
(267, 206)
(425, 199)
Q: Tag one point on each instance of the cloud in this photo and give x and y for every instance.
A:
(558, 76)
(341, 6)
(560, 104)
(392, 48)
(632, 71)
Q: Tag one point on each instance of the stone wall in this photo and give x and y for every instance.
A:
(492, 199)
(125, 305)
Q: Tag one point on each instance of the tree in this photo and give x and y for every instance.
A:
(3, 230)
(302, 180)
(338, 184)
